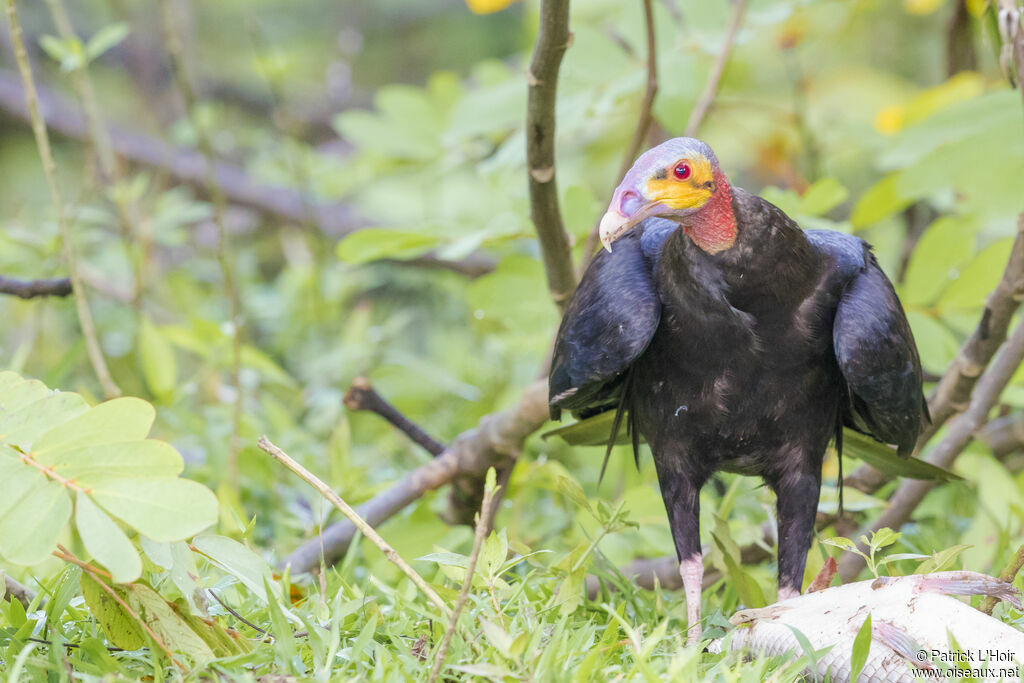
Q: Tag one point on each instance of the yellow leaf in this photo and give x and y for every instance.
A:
(487, 6)
(963, 86)
(921, 6)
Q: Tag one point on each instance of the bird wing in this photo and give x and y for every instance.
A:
(607, 325)
(874, 347)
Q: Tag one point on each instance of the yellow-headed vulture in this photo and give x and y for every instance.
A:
(733, 340)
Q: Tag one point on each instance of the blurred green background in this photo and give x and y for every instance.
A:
(886, 118)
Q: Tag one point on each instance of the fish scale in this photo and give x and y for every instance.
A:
(908, 614)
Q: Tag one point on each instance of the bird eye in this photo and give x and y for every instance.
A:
(682, 170)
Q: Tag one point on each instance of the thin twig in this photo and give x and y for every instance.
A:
(496, 438)
(94, 574)
(28, 289)
(224, 254)
(362, 396)
(236, 615)
(717, 69)
(368, 531)
(643, 123)
(483, 524)
(110, 176)
(92, 345)
(552, 41)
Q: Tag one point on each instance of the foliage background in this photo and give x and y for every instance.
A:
(410, 115)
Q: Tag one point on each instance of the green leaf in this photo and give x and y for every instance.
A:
(159, 366)
(25, 424)
(883, 538)
(945, 245)
(823, 196)
(106, 38)
(237, 560)
(121, 629)
(935, 342)
(884, 459)
(840, 542)
(374, 244)
(861, 648)
(977, 278)
(163, 509)
(881, 200)
(122, 419)
(105, 541)
(29, 531)
(170, 628)
(941, 559)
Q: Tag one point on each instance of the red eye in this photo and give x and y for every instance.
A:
(682, 170)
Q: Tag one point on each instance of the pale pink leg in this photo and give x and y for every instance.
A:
(787, 592)
(692, 572)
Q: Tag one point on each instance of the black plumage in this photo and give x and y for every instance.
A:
(748, 359)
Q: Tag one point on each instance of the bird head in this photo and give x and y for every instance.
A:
(679, 180)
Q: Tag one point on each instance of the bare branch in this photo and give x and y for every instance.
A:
(185, 166)
(18, 591)
(552, 41)
(365, 528)
(362, 396)
(496, 439)
(959, 433)
(717, 69)
(483, 524)
(28, 289)
(92, 345)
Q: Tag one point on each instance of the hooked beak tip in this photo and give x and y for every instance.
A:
(611, 226)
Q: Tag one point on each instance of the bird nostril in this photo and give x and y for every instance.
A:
(629, 202)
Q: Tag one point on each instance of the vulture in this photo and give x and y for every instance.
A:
(731, 339)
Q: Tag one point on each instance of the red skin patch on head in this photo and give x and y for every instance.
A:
(713, 226)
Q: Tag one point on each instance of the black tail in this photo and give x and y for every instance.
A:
(621, 409)
(839, 455)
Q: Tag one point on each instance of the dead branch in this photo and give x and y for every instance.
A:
(367, 529)
(552, 41)
(717, 69)
(1004, 435)
(28, 289)
(18, 591)
(185, 166)
(497, 439)
(960, 432)
(362, 396)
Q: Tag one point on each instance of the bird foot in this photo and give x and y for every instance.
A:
(691, 570)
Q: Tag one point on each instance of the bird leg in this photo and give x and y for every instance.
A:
(797, 494)
(681, 492)
(692, 572)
